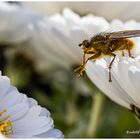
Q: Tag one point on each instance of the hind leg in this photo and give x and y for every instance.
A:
(122, 53)
(129, 51)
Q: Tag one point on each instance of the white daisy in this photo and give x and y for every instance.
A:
(124, 88)
(22, 117)
(14, 27)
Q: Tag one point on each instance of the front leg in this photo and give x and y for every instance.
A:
(81, 68)
(84, 56)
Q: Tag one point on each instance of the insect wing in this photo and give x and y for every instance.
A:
(124, 34)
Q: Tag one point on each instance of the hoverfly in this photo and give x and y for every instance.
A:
(104, 44)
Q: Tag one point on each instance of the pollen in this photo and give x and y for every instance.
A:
(5, 124)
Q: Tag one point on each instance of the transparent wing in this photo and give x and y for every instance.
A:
(123, 34)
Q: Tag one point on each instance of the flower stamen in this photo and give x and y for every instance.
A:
(5, 125)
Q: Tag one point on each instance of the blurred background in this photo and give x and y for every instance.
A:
(109, 10)
(69, 99)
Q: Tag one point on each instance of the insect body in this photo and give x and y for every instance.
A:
(107, 44)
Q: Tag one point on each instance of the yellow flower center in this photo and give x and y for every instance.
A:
(5, 125)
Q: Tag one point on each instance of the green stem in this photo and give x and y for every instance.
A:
(95, 114)
(72, 113)
(136, 112)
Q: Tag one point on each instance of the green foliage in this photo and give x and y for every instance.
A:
(70, 107)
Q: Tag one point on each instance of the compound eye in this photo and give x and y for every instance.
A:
(86, 44)
(80, 44)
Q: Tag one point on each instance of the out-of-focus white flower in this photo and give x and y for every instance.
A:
(53, 40)
(66, 31)
(13, 23)
(22, 117)
(107, 9)
(124, 88)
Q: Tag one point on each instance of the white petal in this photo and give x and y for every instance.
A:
(4, 86)
(13, 26)
(53, 133)
(33, 112)
(93, 24)
(32, 102)
(116, 25)
(134, 77)
(10, 99)
(99, 76)
(123, 79)
(17, 111)
(45, 112)
(32, 126)
(71, 17)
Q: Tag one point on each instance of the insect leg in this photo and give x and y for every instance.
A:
(110, 65)
(84, 58)
(129, 51)
(122, 53)
(94, 57)
(81, 68)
